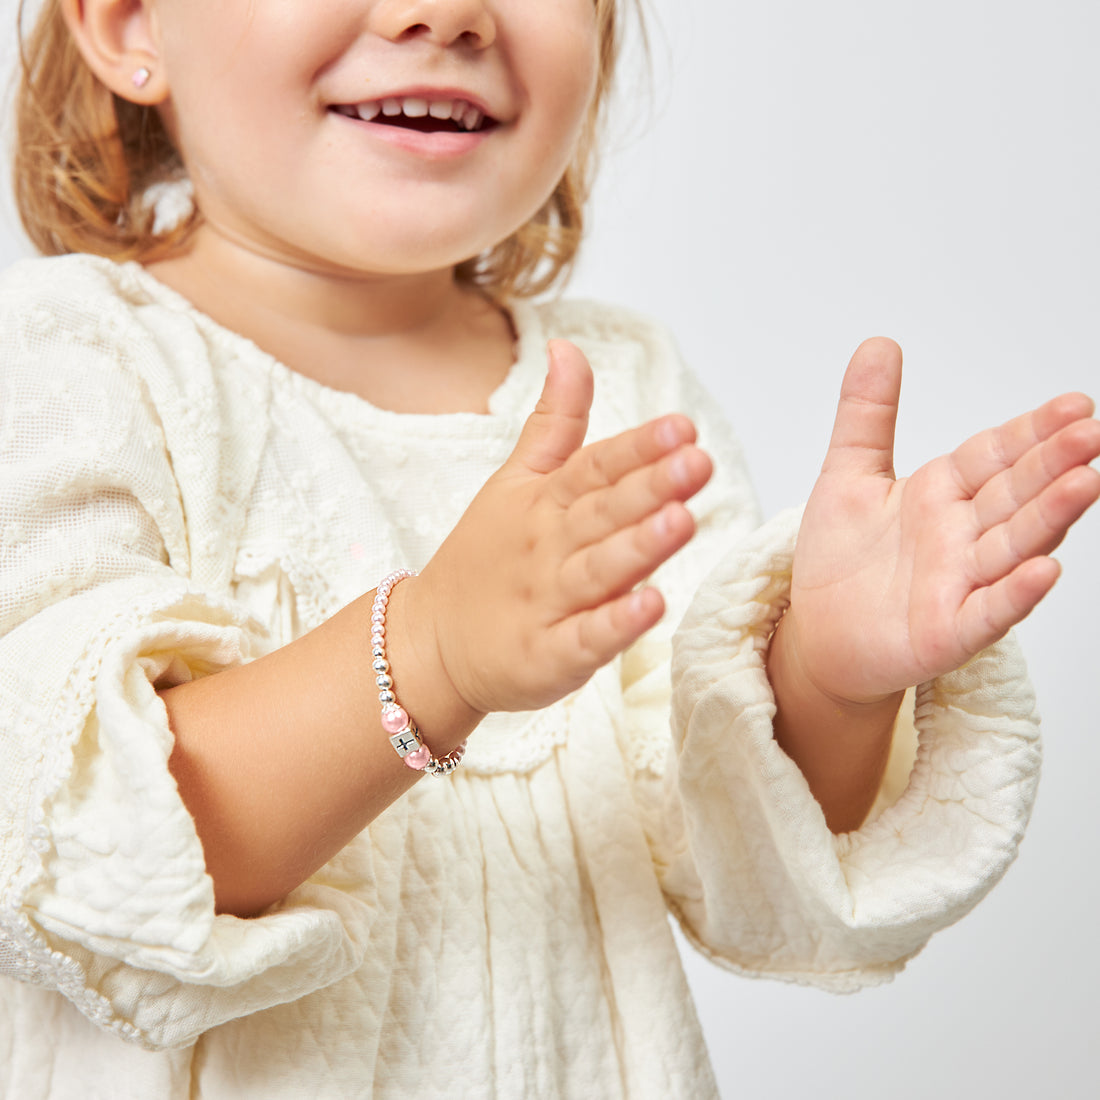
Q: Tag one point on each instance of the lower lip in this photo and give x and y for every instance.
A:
(440, 144)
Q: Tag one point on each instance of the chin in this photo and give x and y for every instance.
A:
(413, 261)
(430, 247)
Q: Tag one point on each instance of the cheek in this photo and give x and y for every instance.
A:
(225, 120)
(563, 77)
(568, 114)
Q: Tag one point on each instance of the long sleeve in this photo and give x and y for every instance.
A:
(174, 502)
(119, 493)
(750, 868)
(740, 846)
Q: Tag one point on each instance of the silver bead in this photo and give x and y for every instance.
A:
(386, 697)
(380, 664)
(384, 681)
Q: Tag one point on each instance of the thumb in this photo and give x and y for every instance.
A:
(558, 425)
(863, 432)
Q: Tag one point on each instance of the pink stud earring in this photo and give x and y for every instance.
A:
(141, 77)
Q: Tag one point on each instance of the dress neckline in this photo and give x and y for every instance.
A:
(513, 397)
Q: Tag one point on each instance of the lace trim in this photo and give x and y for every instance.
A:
(25, 953)
(517, 743)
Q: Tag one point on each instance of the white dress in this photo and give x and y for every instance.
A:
(173, 502)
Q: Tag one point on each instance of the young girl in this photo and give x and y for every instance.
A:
(330, 370)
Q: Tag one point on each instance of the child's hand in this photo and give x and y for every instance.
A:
(535, 588)
(896, 582)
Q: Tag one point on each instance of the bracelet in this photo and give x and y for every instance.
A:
(404, 736)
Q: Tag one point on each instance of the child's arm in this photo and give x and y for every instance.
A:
(282, 761)
(896, 582)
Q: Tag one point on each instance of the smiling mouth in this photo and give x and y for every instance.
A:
(447, 116)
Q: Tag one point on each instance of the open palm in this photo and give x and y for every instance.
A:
(898, 581)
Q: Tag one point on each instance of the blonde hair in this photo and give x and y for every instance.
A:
(85, 157)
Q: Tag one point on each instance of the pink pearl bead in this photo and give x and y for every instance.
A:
(418, 758)
(394, 719)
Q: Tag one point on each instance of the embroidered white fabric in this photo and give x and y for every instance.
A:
(173, 502)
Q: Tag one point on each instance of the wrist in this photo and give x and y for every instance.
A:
(840, 745)
(427, 691)
(792, 675)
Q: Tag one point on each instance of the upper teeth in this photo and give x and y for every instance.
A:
(458, 110)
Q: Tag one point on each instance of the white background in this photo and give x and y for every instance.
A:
(805, 175)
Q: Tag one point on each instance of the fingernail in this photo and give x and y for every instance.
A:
(667, 435)
(678, 469)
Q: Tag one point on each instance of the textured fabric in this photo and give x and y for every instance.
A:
(174, 502)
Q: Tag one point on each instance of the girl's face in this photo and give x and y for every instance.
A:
(284, 114)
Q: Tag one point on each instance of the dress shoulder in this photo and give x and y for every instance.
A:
(77, 282)
(586, 319)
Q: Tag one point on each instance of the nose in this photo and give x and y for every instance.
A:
(444, 22)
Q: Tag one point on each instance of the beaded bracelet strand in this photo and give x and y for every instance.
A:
(404, 736)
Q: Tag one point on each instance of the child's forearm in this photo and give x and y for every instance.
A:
(283, 761)
(841, 748)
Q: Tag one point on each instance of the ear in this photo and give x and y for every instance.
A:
(118, 40)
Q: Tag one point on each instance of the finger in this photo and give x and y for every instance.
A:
(1004, 494)
(606, 462)
(593, 637)
(612, 567)
(989, 613)
(678, 476)
(986, 454)
(863, 431)
(1036, 529)
(556, 429)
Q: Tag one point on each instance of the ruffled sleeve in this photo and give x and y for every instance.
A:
(120, 485)
(750, 868)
